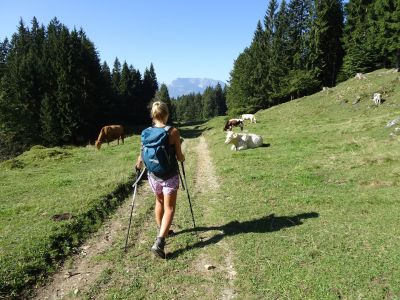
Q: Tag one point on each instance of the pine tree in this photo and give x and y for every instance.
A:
(89, 79)
(21, 93)
(360, 55)
(149, 88)
(67, 94)
(196, 106)
(163, 96)
(107, 106)
(150, 83)
(384, 25)
(116, 75)
(280, 55)
(137, 86)
(299, 26)
(240, 93)
(50, 126)
(327, 52)
(4, 49)
(221, 100)
(116, 80)
(210, 107)
(125, 91)
(54, 91)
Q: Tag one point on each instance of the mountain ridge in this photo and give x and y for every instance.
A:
(184, 85)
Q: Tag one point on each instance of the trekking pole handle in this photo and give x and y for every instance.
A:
(138, 176)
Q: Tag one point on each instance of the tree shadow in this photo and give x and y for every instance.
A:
(265, 224)
(192, 132)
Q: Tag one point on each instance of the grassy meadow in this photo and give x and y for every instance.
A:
(45, 182)
(313, 214)
(318, 209)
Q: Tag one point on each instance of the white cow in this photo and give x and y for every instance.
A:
(377, 98)
(360, 76)
(243, 141)
(250, 117)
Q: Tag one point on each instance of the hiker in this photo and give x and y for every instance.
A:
(164, 184)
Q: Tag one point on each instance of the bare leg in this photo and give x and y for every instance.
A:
(169, 211)
(159, 209)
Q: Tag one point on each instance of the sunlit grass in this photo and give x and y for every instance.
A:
(45, 182)
(312, 215)
(327, 157)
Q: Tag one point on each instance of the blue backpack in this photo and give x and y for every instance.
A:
(156, 151)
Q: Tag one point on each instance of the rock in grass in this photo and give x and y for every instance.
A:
(393, 122)
(62, 217)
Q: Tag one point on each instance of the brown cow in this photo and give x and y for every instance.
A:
(233, 122)
(110, 133)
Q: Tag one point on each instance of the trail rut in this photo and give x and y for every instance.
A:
(206, 181)
(81, 271)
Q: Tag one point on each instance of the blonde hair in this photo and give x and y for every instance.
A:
(159, 111)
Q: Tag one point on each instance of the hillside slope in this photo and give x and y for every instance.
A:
(311, 215)
(51, 199)
(318, 209)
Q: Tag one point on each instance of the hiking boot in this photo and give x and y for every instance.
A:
(158, 247)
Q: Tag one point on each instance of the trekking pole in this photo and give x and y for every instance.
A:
(187, 192)
(183, 186)
(138, 177)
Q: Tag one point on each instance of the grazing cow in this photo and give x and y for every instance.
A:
(250, 117)
(110, 133)
(243, 141)
(377, 98)
(233, 122)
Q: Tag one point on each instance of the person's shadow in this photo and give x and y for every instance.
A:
(263, 225)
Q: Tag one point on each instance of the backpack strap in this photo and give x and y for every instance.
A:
(167, 128)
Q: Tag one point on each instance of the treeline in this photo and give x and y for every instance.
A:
(371, 36)
(303, 45)
(54, 90)
(198, 107)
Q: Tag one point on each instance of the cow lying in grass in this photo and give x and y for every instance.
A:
(250, 117)
(110, 133)
(233, 122)
(243, 141)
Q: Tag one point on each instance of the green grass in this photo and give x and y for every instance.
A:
(44, 182)
(334, 162)
(314, 215)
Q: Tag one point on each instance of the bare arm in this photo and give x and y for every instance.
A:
(176, 140)
(139, 162)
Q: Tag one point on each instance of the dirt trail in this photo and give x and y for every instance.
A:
(206, 182)
(82, 270)
(206, 178)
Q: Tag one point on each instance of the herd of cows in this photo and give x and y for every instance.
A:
(242, 141)
(239, 141)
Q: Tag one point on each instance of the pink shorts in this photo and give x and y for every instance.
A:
(168, 186)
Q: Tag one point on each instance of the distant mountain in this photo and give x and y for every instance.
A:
(184, 86)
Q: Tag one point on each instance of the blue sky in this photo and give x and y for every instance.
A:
(182, 38)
